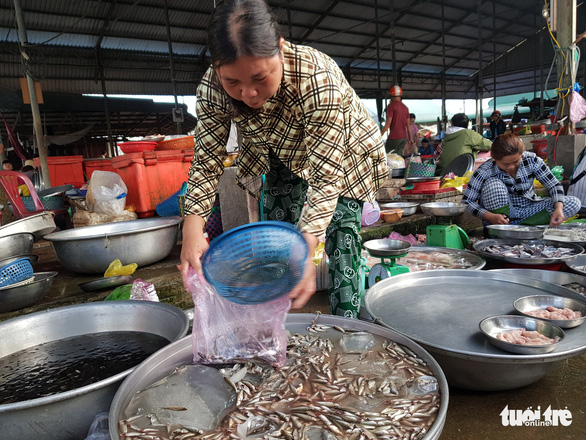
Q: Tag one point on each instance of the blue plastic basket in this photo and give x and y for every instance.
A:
(15, 272)
(257, 262)
(170, 207)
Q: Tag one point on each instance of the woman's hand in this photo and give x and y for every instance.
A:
(496, 219)
(558, 217)
(194, 244)
(306, 287)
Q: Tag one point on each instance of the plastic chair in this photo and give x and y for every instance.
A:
(10, 180)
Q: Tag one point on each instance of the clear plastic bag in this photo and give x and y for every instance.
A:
(225, 332)
(142, 290)
(106, 193)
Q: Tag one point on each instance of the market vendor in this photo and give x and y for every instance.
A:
(501, 192)
(302, 125)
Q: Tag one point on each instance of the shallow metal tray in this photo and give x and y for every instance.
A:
(385, 247)
(579, 261)
(441, 310)
(443, 209)
(422, 179)
(549, 276)
(481, 245)
(518, 232)
(105, 283)
(565, 239)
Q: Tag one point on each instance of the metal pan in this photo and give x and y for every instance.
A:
(105, 283)
(516, 232)
(568, 227)
(441, 311)
(387, 248)
(563, 279)
(481, 245)
(577, 265)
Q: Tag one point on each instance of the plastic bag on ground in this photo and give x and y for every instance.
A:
(141, 290)
(106, 193)
(408, 238)
(225, 332)
(99, 429)
(116, 268)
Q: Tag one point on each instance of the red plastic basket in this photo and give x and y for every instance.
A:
(181, 143)
(137, 146)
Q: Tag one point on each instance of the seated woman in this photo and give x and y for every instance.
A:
(426, 148)
(501, 192)
(460, 140)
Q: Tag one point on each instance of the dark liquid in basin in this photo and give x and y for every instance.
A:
(70, 363)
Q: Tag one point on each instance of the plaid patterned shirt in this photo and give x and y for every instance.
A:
(521, 187)
(315, 124)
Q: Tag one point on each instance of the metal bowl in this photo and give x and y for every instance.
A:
(422, 179)
(408, 208)
(518, 232)
(39, 225)
(494, 325)
(443, 209)
(16, 244)
(385, 247)
(105, 283)
(31, 257)
(163, 362)
(68, 415)
(19, 297)
(577, 265)
(481, 245)
(440, 310)
(143, 242)
(539, 302)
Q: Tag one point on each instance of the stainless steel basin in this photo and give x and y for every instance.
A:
(163, 362)
(19, 297)
(68, 415)
(91, 249)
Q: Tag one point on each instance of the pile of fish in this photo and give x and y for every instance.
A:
(529, 250)
(522, 336)
(337, 384)
(577, 287)
(417, 261)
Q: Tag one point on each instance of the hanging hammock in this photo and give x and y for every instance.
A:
(14, 142)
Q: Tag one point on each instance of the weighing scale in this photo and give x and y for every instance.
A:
(445, 234)
(388, 251)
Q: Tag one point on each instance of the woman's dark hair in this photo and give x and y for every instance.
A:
(425, 140)
(26, 168)
(506, 145)
(460, 120)
(411, 115)
(242, 28)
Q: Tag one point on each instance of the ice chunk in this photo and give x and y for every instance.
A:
(424, 385)
(194, 396)
(317, 433)
(357, 341)
(255, 427)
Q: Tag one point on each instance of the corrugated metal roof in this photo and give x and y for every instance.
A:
(131, 37)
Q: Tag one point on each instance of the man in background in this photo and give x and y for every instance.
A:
(398, 123)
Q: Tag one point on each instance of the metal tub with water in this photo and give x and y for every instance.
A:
(166, 360)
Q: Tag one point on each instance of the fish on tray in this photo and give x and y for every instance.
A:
(529, 250)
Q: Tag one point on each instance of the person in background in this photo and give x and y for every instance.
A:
(28, 169)
(414, 129)
(7, 165)
(500, 192)
(497, 125)
(301, 124)
(104, 155)
(459, 140)
(398, 123)
(426, 148)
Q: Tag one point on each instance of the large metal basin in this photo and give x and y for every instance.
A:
(163, 362)
(91, 249)
(441, 311)
(68, 416)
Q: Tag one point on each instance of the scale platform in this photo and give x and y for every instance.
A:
(388, 251)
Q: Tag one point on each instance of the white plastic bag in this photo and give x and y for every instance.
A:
(106, 193)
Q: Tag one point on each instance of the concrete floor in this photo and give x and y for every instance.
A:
(471, 415)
